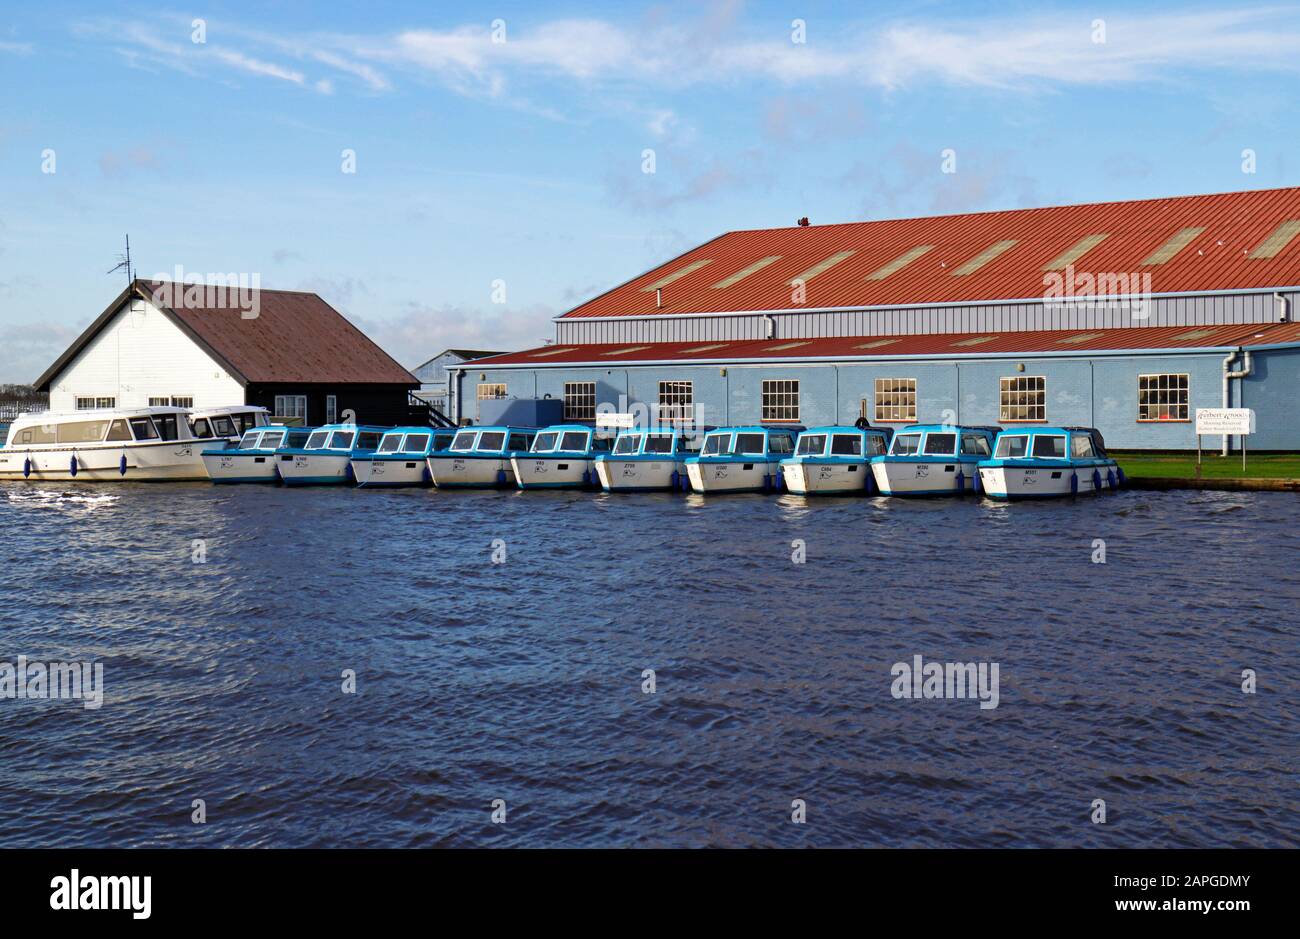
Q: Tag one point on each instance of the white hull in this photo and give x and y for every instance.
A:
(730, 477)
(628, 475)
(412, 472)
(917, 478)
(241, 467)
(811, 479)
(1010, 482)
(170, 460)
(477, 472)
(551, 473)
(317, 469)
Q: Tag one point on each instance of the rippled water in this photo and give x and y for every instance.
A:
(522, 681)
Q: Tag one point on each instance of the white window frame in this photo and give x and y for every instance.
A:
(579, 400)
(779, 401)
(1016, 393)
(895, 401)
(299, 411)
(489, 394)
(172, 401)
(676, 403)
(96, 402)
(1176, 385)
(331, 409)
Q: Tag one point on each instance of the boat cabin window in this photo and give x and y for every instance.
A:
(600, 443)
(846, 445)
(627, 444)
(442, 441)
(39, 434)
(245, 420)
(518, 442)
(715, 444)
(368, 441)
(272, 439)
(166, 424)
(342, 440)
(297, 439)
(751, 444)
(974, 445)
(250, 440)
(780, 443)
(391, 443)
(544, 442)
(907, 444)
(201, 429)
(143, 429)
(574, 440)
(416, 443)
(493, 440)
(940, 444)
(812, 444)
(223, 427)
(118, 430)
(1081, 446)
(81, 432)
(876, 445)
(659, 443)
(1011, 447)
(1049, 446)
(464, 440)
(317, 440)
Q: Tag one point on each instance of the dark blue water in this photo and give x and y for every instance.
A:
(522, 681)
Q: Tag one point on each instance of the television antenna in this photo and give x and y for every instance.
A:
(124, 263)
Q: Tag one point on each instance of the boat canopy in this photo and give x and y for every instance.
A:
(567, 438)
(1048, 443)
(752, 441)
(492, 439)
(842, 440)
(942, 440)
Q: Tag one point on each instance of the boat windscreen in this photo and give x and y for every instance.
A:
(715, 444)
(1011, 447)
(519, 442)
(167, 426)
(201, 429)
(876, 445)
(974, 445)
(143, 429)
(464, 440)
(658, 443)
(812, 444)
(416, 443)
(1081, 446)
(250, 440)
(545, 442)
(442, 441)
(368, 441)
(493, 440)
(907, 444)
(222, 427)
(574, 440)
(627, 444)
(780, 443)
(342, 440)
(317, 440)
(391, 443)
(751, 444)
(1049, 446)
(271, 439)
(940, 444)
(846, 445)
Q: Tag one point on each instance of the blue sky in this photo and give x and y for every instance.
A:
(521, 160)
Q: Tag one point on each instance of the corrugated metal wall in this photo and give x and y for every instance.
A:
(998, 318)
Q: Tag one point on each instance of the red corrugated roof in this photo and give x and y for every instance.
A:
(1216, 259)
(944, 345)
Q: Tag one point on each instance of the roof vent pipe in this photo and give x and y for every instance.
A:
(769, 326)
(1283, 308)
(659, 297)
(1228, 375)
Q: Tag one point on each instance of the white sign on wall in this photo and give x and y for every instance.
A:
(1229, 421)
(620, 421)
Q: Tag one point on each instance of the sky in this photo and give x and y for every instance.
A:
(457, 175)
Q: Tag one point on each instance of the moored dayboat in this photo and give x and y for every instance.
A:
(834, 460)
(1045, 462)
(325, 457)
(103, 445)
(562, 457)
(644, 461)
(479, 457)
(401, 457)
(741, 459)
(228, 423)
(253, 459)
(933, 459)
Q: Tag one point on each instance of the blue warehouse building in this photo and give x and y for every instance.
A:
(1123, 316)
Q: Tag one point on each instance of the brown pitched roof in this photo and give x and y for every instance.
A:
(295, 337)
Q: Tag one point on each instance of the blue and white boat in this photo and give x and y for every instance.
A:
(644, 461)
(1044, 462)
(933, 460)
(252, 459)
(834, 460)
(741, 459)
(562, 457)
(479, 457)
(401, 459)
(325, 458)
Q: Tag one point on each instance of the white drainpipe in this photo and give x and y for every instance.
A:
(1228, 375)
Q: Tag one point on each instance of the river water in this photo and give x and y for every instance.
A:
(500, 642)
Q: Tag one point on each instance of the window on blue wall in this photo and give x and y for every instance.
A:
(676, 401)
(895, 400)
(781, 400)
(1163, 397)
(1022, 398)
(579, 400)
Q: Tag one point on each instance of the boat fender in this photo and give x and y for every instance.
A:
(767, 482)
(501, 477)
(976, 482)
(676, 480)
(27, 468)
(72, 465)
(961, 482)
(121, 466)
(1119, 476)
(780, 479)
(868, 476)
(1110, 479)
(1074, 483)
(586, 477)
(1096, 480)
